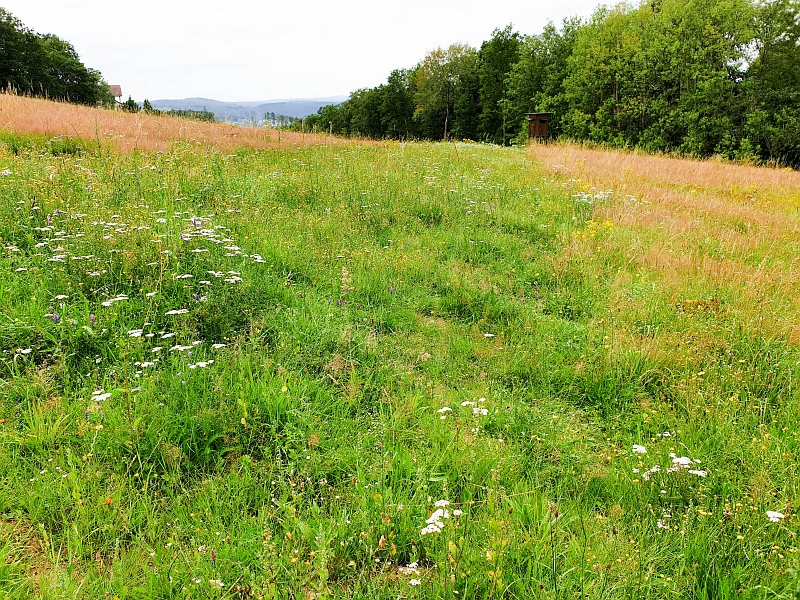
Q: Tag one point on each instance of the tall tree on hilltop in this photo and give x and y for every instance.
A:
(366, 112)
(536, 81)
(17, 49)
(665, 75)
(439, 75)
(467, 106)
(45, 65)
(397, 111)
(495, 60)
(68, 77)
(773, 83)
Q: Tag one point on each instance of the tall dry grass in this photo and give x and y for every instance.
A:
(691, 225)
(127, 132)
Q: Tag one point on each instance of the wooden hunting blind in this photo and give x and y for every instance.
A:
(539, 125)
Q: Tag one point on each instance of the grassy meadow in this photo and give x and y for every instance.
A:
(395, 371)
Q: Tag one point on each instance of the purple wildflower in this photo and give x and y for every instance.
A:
(91, 319)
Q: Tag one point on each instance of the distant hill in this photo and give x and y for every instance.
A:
(250, 112)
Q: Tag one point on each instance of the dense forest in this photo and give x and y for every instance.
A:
(697, 77)
(46, 66)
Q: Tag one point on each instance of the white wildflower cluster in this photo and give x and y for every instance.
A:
(59, 241)
(593, 196)
(477, 410)
(679, 463)
(649, 473)
(684, 462)
(111, 301)
(411, 569)
(435, 523)
(100, 395)
(202, 364)
(775, 517)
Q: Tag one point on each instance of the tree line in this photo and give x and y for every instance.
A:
(696, 77)
(46, 66)
(131, 106)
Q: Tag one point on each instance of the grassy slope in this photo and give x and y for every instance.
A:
(380, 285)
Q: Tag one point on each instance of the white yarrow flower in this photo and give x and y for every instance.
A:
(775, 516)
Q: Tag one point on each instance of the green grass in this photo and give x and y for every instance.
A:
(290, 438)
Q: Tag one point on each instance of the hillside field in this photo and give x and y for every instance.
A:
(317, 368)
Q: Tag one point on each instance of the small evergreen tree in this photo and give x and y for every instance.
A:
(130, 105)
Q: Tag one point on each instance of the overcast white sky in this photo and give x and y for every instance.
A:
(259, 50)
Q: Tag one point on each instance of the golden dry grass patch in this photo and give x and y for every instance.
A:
(693, 225)
(123, 131)
(675, 191)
